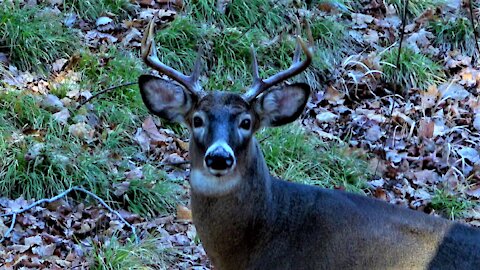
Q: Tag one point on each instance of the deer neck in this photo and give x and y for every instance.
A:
(231, 222)
(251, 178)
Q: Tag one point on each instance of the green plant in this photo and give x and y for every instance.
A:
(177, 43)
(416, 7)
(415, 71)
(151, 195)
(113, 254)
(263, 14)
(112, 68)
(92, 9)
(35, 37)
(41, 158)
(453, 34)
(448, 204)
(294, 155)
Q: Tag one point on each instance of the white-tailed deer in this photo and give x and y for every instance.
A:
(248, 219)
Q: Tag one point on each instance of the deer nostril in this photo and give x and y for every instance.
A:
(219, 161)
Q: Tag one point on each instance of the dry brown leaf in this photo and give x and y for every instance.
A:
(474, 191)
(183, 213)
(151, 129)
(426, 128)
(429, 98)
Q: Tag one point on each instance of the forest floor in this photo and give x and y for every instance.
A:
(401, 126)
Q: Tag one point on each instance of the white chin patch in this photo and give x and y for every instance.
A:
(208, 184)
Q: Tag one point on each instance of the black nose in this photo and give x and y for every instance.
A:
(219, 159)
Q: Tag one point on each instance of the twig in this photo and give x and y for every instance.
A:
(397, 63)
(177, 163)
(402, 35)
(61, 195)
(472, 21)
(103, 92)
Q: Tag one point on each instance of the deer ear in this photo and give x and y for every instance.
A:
(165, 98)
(280, 106)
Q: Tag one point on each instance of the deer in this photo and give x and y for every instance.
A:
(248, 219)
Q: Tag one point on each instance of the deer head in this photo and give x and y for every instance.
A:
(222, 123)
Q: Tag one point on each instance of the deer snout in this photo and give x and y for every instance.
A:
(219, 159)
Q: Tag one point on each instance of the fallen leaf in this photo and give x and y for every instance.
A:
(426, 128)
(183, 213)
(453, 91)
(326, 117)
(61, 116)
(470, 154)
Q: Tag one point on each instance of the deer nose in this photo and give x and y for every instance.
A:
(219, 160)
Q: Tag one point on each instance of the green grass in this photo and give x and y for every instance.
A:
(266, 14)
(415, 71)
(64, 160)
(416, 7)
(147, 196)
(112, 254)
(111, 68)
(294, 155)
(92, 9)
(34, 38)
(449, 205)
(227, 40)
(453, 34)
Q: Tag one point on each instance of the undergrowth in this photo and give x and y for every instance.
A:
(415, 71)
(41, 158)
(415, 7)
(92, 9)
(35, 37)
(453, 34)
(112, 254)
(449, 205)
(295, 155)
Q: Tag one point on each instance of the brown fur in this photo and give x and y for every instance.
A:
(267, 223)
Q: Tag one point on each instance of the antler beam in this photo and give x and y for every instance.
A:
(259, 85)
(150, 57)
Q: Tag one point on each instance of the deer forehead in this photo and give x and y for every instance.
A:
(222, 103)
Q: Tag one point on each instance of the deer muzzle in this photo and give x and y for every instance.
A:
(219, 159)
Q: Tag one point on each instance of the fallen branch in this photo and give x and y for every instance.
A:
(103, 92)
(59, 196)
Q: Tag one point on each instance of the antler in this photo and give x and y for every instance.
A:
(149, 55)
(259, 85)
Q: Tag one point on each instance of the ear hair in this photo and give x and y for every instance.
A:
(280, 106)
(165, 98)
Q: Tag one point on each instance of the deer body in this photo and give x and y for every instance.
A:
(248, 219)
(268, 223)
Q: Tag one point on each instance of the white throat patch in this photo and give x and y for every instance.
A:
(209, 185)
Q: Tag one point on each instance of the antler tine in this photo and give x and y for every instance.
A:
(297, 67)
(256, 77)
(296, 54)
(150, 57)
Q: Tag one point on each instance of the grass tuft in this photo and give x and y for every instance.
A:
(115, 255)
(92, 9)
(151, 195)
(35, 37)
(449, 205)
(453, 34)
(62, 160)
(415, 7)
(111, 68)
(415, 71)
(294, 155)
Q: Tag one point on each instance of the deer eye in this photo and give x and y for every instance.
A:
(245, 124)
(197, 122)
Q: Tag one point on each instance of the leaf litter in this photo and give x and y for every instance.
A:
(420, 141)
